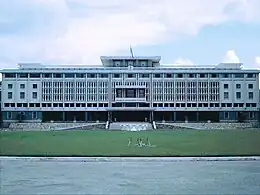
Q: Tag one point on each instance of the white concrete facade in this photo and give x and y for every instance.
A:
(125, 83)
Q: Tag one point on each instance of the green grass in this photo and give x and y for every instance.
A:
(114, 143)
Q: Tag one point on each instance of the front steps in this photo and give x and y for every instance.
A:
(130, 126)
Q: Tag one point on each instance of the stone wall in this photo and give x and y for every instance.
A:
(54, 126)
(205, 125)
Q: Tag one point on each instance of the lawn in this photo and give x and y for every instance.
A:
(114, 143)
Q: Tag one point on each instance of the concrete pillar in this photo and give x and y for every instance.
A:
(109, 116)
(86, 116)
(63, 116)
(197, 116)
(174, 116)
(152, 116)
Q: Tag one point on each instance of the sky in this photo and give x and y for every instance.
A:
(183, 32)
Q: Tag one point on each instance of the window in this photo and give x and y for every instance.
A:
(226, 115)
(57, 75)
(116, 75)
(80, 75)
(225, 75)
(10, 95)
(47, 75)
(10, 86)
(239, 75)
(130, 75)
(225, 95)
(10, 75)
(144, 75)
(69, 75)
(250, 86)
(157, 75)
(238, 95)
(250, 95)
(192, 75)
(34, 95)
(225, 86)
(179, 75)
(169, 75)
(22, 95)
(22, 86)
(23, 75)
(238, 86)
(203, 75)
(35, 75)
(34, 86)
(103, 75)
(214, 75)
(9, 115)
(91, 75)
(34, 115)
(250, 75)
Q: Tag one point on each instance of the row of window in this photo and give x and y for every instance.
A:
(90, 105)
(10, 116)
(105, 75)
(226, 95)
(238, 95)
(251, 115)
(22, 86)
(22, 95)
(238, 86)
(156, 84)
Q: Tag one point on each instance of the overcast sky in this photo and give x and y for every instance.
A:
(80, 31)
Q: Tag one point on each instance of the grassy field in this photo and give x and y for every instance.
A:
(114, 143)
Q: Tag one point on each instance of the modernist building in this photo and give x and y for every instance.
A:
(130, 88)
(1, 104)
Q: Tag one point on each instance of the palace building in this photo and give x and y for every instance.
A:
(130, 89)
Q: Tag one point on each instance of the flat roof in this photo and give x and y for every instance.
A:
(106, 59)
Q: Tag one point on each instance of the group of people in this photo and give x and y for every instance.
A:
(140, 142)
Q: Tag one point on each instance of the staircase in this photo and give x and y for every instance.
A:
(130, 126)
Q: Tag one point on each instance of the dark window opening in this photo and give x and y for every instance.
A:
(144, 75)
(47, 75)
(169, 75)
(239, 75)
(157, 76)
(80, 75)
(10, 75)
(116, 75)
(69, 75)
(103, 75)
(238, 86)
(179, 75)
(35, 75)
(23, 75)
(57, 75)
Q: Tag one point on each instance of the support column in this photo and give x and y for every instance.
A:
(109, 116)
(152, 117)
(174, 116)
(197, 116)
(86, 116)
(63, 116)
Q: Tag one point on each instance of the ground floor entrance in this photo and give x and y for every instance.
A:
(127, 116)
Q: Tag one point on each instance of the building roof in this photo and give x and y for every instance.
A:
(106, 59)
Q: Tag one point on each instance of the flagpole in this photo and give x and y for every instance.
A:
(131, 51)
